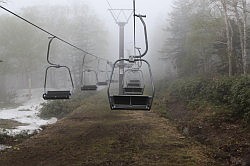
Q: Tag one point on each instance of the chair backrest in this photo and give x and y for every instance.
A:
(133, 91)
(135, 81)
(133, 84)
(102, 83)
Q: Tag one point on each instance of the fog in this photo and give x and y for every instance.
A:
(156, 11)
(199, 84)
(24, 47)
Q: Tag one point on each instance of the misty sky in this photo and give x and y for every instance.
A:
(156, 11)
(154, 8)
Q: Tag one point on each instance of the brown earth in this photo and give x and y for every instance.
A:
(10, 124)
(94, 135)
(227, 139)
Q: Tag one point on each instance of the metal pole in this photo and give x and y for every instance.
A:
(121, 25)
(121, 55)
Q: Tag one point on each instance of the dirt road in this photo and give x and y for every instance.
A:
(94, 135)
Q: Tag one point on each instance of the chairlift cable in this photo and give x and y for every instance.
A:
(51, 34)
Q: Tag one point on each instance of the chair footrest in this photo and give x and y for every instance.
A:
(131, 102)
(54, 95)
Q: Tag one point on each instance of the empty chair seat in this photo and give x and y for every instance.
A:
(133, 91)
(102, 83)
(54, 95)
(114, 81)
(89, 87)
(133, 84)
(134, 81)
(133, 102)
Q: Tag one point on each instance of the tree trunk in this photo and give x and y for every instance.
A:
(244, 5)
(229, 37)
(239, 24)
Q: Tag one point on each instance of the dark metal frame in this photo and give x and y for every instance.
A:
(133, 102)
(131, 106)
(145, 36)
(102, 83)
(85, 87)
(55, 94)
(131, 87)
(133, 70)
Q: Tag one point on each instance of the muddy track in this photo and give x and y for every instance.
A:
(93, 135)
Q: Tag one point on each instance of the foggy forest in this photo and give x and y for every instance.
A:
(132, 82)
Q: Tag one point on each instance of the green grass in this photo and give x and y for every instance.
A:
(92, 134)
(62, 108)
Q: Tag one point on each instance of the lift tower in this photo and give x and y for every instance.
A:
(121, 17)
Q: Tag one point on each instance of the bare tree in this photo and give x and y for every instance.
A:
(229, 34)
(244, 5)
(235, 4)
(240, 11)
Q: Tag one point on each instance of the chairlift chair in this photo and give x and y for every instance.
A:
(59, 94)
(102, 83)
(101, 72)
(131, 101)
(134, 86)
(88, 87)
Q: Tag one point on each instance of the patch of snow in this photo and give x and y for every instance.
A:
(3, 147)
(27, 114)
